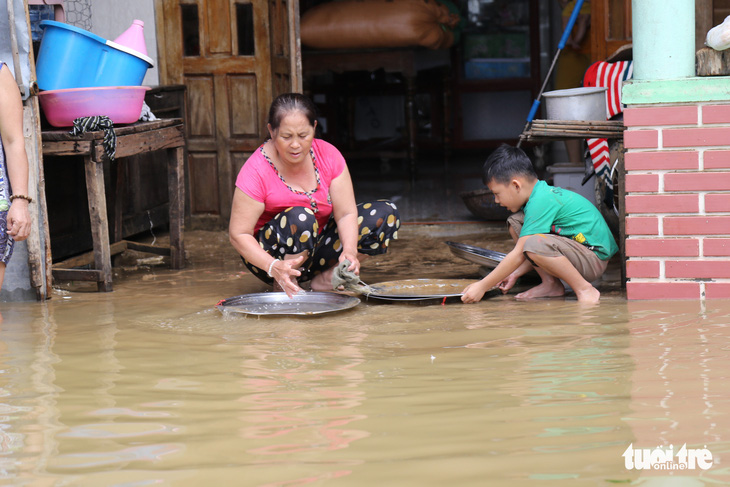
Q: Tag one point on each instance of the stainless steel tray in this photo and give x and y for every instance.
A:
(477, 255)
(305, 304)
(419, 289)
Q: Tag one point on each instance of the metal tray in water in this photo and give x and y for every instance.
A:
(419, 289)
(278, 303)
(477, 255)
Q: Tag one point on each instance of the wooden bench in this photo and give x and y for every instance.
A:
(160, 135)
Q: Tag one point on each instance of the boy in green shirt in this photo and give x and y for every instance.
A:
(557, 232)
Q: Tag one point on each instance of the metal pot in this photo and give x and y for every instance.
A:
(576, 104)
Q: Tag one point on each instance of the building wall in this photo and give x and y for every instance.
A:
(678, 200)
(78, 13)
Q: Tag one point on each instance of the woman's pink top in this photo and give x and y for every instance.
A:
(259, 181)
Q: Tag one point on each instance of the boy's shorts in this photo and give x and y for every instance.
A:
(550, 245)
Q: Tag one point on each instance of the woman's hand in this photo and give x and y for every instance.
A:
(345, 213)
(16, 159)
(473, 293)
(354, 261)
(285, 273)
(19, 220)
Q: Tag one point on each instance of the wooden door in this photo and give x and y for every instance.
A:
(234, 56)
(286, 52)
(610, 27)
(611, 23)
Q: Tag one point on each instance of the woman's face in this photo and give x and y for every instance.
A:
(293, 138)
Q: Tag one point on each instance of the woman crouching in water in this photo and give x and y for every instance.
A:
(294, 217)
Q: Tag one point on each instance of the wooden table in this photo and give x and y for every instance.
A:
(549, 130)
(160, 135)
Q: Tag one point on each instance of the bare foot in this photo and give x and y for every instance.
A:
(323, 282)
(546, 289)
(588, 296)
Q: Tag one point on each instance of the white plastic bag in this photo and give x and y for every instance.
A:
(718, 37)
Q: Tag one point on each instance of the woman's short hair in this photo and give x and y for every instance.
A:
(287, 103)
(505, 163)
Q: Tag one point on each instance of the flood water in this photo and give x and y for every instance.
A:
(151, 385)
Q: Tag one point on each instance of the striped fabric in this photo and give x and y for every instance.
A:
(92, 124)
(598, 149)
(610, 76)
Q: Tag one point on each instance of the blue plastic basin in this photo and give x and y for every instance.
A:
(70, 57)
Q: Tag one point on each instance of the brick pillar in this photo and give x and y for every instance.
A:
(678, 201)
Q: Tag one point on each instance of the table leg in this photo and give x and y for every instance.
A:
(176, 190)
(99, 223)
(119, 199)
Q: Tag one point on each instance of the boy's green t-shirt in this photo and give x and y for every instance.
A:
(563, 212)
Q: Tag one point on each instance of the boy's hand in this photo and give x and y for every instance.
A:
(473, 293)
(508, 283)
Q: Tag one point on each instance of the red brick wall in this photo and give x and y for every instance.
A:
(677, 201)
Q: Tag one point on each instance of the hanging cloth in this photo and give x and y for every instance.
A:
(610, 76)
(92, 124)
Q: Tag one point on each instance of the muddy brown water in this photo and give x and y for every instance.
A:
(151, 385)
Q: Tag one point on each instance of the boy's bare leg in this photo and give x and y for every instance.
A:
(549, 287)
(560, 268)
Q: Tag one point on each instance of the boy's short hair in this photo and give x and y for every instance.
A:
(505, 163)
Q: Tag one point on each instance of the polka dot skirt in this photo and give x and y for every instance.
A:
(295, 230)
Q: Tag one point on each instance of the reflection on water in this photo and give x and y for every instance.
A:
(150, 385)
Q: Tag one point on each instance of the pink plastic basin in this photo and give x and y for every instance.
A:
(122, 104)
